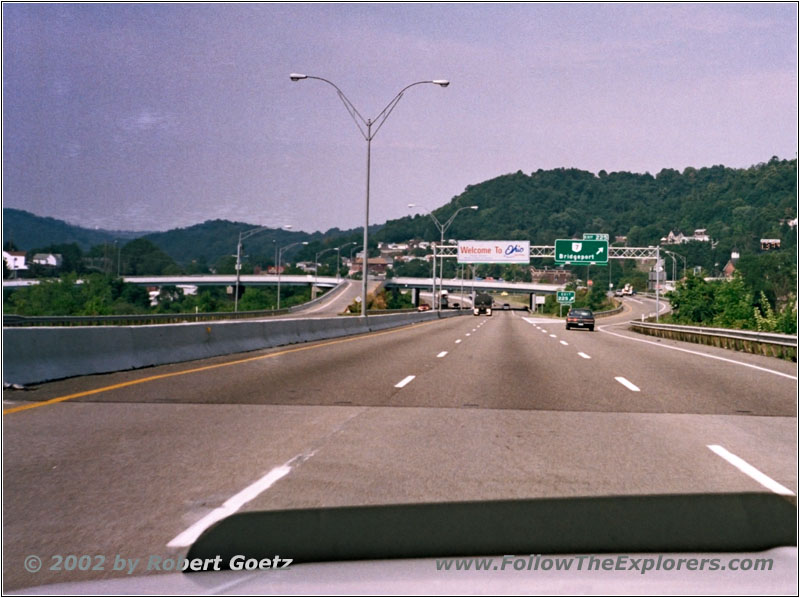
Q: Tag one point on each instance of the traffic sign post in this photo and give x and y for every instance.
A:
(595, 237)
(565, 296)
(581, 253)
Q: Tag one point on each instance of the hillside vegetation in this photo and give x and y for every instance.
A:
(738, 207)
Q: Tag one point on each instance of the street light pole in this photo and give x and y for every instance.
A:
(242, 236)
(673, 256)
(368, 136)
(339, 258)
(658, 283)
(119, 254)
(356, 248)
(316, 259)
(280, 258)
(442, 228)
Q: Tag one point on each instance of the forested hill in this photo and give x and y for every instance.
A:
(737, 206)
(214, 239)
(25, 231)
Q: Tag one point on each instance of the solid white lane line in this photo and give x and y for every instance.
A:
(749, 470)
(229, 507)
(640, 340)
(627, 383)
(565, 343)
(442, 354)
(584, 355)
(404, 381)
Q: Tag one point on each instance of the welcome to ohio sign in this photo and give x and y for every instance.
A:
(494, 252)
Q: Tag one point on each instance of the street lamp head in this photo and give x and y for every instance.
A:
(441, 82)
(473, 207)
(304, 243)
(297, 76)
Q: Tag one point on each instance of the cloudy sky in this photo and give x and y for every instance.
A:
(154, 116)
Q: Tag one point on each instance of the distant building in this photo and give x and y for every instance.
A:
(273, 270)
(375, 265)
(307, 267)
(15, 260)
(700, 234)
(52, 260)
(392, 248)
(672, 239)
(769, 244)
(729, 269)
(409, 258)
(621, 239)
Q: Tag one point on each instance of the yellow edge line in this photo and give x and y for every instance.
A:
(207, 367)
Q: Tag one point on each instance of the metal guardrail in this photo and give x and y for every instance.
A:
(609, 312)
(753, 335)
(751, 341)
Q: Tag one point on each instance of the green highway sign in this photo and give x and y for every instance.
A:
(595, 237)
(581, 253)
(565, 296)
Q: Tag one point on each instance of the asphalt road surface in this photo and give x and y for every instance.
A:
(470, 408)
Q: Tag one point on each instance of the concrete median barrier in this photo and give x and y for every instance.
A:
(38, 354)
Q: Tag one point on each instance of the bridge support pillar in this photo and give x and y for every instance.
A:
(415, 297)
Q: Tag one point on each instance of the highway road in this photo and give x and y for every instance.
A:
(469, 408)
(336, 301)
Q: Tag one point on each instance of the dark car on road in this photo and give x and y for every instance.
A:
(580, 318)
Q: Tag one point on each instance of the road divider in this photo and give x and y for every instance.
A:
(33, 355)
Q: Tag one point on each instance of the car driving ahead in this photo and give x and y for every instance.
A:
(580, 318)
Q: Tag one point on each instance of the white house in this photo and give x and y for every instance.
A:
(307, 267)
(700, 234)
(15, 260)
(53, 260)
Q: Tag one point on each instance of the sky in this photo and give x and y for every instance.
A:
(158, 116)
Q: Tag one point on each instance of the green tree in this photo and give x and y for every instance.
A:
(692, 301)
(733, 304)
(143, 257)
(255, 299)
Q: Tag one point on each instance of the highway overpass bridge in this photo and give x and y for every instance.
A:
(484, 286)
